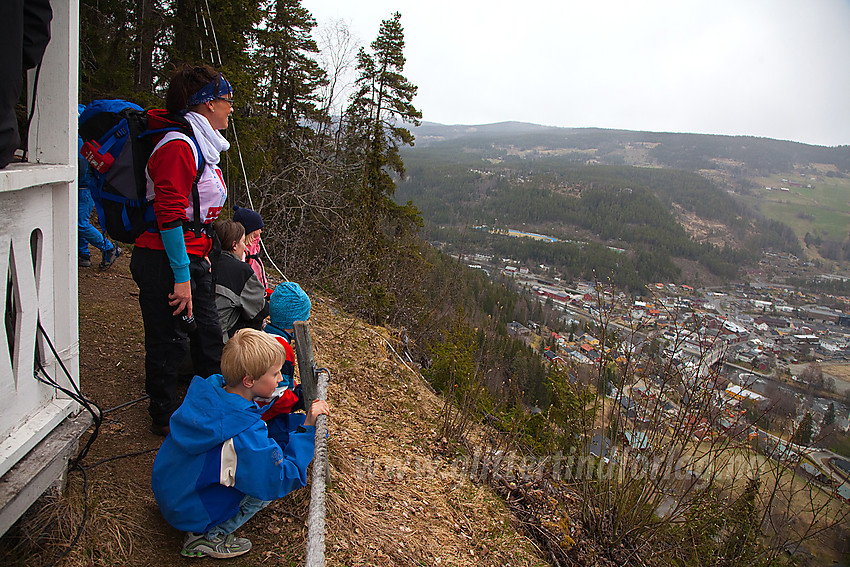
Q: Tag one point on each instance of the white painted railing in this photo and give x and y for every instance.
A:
(38, 269)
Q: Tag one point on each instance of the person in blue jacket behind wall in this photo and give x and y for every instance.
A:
(221, 463)
(86, 232)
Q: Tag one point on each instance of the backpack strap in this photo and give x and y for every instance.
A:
(94, 186)
(115, 136)
(197, 226)
(118, 133)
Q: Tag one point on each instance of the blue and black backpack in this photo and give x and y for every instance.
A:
(117, 145)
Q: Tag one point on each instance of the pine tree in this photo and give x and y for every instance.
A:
(107, 33)
(741, 544)
(146, 24)
(381, 103)
(384, 251)
(290, 77)
(803, 435)
(215, 32)
(129, 48)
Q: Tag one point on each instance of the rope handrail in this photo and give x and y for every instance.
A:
(315, 547)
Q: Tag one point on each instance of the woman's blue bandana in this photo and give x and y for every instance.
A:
(211, 91)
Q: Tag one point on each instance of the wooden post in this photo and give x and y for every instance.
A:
(314, 387)
(306, 364)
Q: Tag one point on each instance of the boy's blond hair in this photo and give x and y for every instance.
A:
(250, 353)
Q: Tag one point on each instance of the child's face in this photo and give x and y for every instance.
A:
(252, 237)
(265, 385)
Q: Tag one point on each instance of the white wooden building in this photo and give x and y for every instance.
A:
(39, 425)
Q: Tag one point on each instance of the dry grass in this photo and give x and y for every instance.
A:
(394, 498)
(840, 371)
(110, 535)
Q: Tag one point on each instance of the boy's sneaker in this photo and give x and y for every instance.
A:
(109, 257)
(85, 261)
(222, 547)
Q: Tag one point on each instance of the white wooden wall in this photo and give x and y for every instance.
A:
(38, 258)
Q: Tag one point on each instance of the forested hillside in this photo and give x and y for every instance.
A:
(716, 187)
(622, 206)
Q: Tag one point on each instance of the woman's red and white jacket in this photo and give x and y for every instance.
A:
(171, 172)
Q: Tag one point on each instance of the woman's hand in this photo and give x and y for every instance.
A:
(181, 298)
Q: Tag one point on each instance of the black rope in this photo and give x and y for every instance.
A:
(125, 404)
(97, 417)
(97, 413)
(115, 458)
(77, 395)
(32, 106)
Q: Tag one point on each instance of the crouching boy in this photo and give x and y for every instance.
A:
(222, 463)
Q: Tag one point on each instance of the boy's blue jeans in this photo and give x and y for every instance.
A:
(88, 234)
(247, 508)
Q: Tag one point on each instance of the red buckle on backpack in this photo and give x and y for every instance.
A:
(100, 162)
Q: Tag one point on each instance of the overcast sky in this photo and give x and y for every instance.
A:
(772, 68)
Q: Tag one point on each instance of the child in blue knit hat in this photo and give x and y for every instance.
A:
(287, 304)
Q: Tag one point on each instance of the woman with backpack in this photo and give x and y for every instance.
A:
(172, 264)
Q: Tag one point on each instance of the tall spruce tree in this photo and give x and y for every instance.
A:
(381, 104)
(803, 435)
(107, 35)
(382, 233)
(129, 48)
(206, 31)
(290, 77)
(146, 24)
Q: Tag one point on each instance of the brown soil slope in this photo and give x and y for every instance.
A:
(382, 427)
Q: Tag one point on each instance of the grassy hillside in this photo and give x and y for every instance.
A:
(823, 208)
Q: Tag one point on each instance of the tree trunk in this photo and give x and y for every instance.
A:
(186, 32)
(144, 61)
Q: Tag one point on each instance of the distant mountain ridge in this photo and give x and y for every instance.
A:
(677, 150)
(430, 132)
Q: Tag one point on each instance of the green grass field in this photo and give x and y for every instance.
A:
(824, 208)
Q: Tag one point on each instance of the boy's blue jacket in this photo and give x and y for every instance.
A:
(219, 450)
